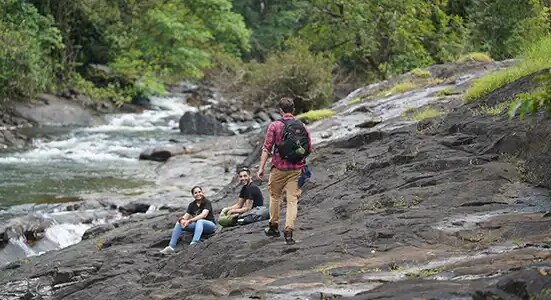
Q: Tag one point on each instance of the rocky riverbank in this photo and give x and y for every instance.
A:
(450, 207)
(71, 108)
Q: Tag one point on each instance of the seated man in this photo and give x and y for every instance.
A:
(249, 207)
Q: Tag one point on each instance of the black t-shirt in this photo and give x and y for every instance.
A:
(252, 192)
(195, 210)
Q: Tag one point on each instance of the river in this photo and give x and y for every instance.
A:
(86, 166)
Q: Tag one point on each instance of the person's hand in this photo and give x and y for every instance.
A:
(185, 223)
(260, 174)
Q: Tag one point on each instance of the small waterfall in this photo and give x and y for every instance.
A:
(65, 235)
(21, 243)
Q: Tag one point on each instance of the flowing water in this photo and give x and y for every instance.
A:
(75, 164)
(67, 162)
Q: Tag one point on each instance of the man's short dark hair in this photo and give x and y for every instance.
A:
(243, 168)
(287, 105)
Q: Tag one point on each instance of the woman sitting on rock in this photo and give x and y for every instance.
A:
(198, 219)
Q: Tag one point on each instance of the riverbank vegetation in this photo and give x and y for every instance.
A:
(255, 51)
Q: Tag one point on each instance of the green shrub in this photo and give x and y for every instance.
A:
(540, 99)
(534, 58)
(475, 57)
(113, 91)
(315, 115)
(295, 73)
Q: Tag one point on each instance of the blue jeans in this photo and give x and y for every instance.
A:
(197, 228)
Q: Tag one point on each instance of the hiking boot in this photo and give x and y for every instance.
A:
(272, 230)
(289, 237)
(167, 250)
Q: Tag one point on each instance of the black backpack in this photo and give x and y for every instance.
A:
(294, 141)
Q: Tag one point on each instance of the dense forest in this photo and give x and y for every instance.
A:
(255, 50)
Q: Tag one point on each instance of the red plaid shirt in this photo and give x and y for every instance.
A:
(273, 138)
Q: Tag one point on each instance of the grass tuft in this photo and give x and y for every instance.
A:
(413, 114)
(316, 115)
(534, 58)
(475, 57)
(420, 73)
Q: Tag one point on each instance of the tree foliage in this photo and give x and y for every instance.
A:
(271, 22)
(28, 39)
(295, 73)
(502, 27)
(149, 43)
(540, 99)
(146, 43)
(384, 38)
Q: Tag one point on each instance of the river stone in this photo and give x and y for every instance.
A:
(275, 116)
(132, 208)
(56, 111)
(162, 153)
(4, 239)
(10, 140)
(262, 117)
(369, 124)
(197, 123)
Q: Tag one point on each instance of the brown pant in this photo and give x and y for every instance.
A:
(278, 181)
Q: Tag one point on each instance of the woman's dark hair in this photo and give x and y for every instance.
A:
(195, 187)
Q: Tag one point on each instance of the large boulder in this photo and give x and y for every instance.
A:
(197, 123)
(56, 111)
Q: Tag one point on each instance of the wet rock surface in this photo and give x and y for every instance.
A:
(54, 110)
(452, 209)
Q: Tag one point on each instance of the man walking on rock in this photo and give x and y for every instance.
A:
(288, 141)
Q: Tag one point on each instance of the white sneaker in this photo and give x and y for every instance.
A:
(167, 250)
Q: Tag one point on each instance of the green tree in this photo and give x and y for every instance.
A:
(503, 28)
(383, 38)
(28, 40)
(147, 43)
(271, 22)
(175, 40)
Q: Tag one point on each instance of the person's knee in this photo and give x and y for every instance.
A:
(275, 195)
(224, 211)
(226, 221)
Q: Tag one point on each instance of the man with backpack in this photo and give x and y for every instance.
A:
(289, 143)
